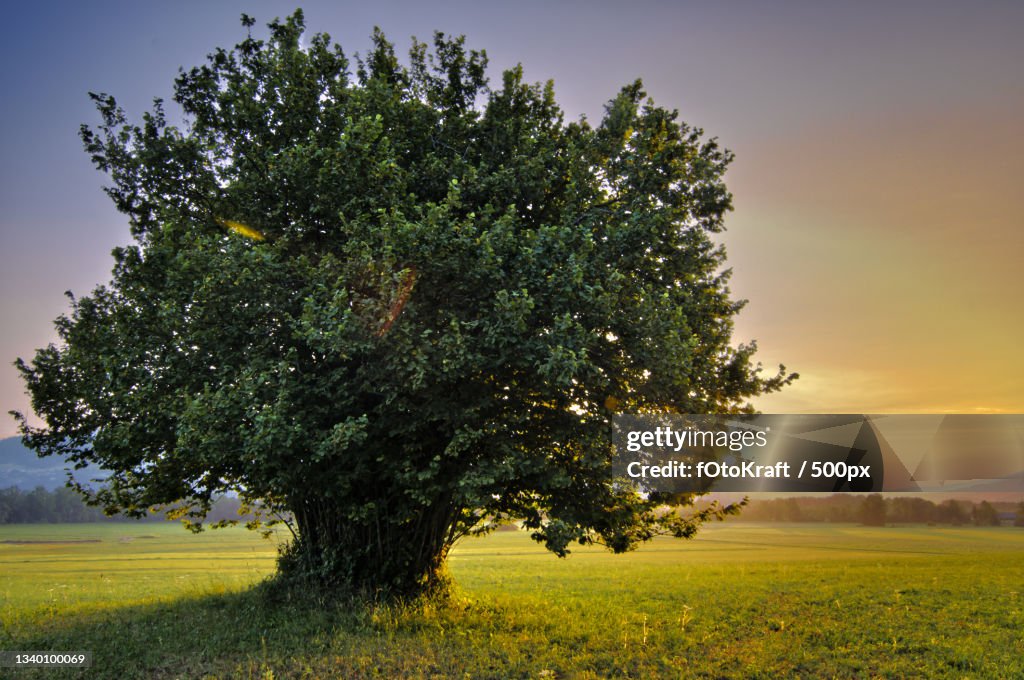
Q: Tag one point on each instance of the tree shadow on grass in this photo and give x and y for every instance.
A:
(240, 634)
(268, 632)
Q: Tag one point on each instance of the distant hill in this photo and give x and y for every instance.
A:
(22, 468)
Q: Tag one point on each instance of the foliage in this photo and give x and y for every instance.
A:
(395, 304)
(63, 505)
(951, 512)
(985, 515)
(41, 505)
(849, 508)
(872, 511)
(910, 509)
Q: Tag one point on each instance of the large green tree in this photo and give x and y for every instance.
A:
(393, 305)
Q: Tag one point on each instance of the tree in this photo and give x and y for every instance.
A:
(394, 305)
(791, 511)
(1019, 520)
(984, 514)
(951, 512)
(905, 509)
(873, 511)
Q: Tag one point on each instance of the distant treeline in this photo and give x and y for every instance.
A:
(64, 505)
(876, 511)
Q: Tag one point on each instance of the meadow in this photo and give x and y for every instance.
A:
(741, 600)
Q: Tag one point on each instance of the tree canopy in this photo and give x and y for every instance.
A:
(394, 304)
(873, 512)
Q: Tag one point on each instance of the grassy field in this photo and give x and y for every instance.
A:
(740, 601)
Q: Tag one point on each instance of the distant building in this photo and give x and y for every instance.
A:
(1007, 518)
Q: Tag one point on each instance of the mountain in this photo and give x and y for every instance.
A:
(22, 468)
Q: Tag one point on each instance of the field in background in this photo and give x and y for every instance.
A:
(741, 600)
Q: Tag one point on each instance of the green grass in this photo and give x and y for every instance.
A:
(740, 601)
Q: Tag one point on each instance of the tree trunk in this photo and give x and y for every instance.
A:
(374, 555)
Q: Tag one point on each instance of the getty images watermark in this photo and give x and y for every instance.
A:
(820, 453)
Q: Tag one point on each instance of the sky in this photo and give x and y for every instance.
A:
(878, 233)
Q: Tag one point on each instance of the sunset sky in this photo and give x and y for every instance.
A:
(879, 176)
